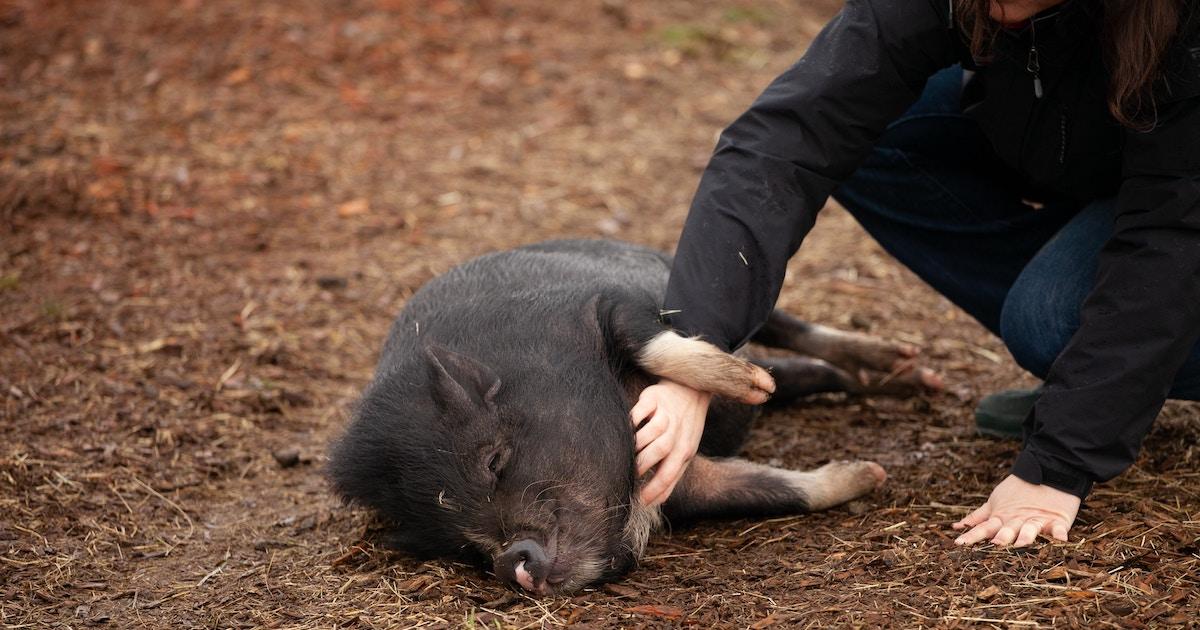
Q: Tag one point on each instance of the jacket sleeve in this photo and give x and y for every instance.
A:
(1139, 323)
(776, 165)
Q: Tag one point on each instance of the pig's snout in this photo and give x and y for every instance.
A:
(525, 563)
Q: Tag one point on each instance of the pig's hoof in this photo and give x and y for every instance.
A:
(838, 482)
(906, 379)
(738, 379)
(759, 387)
(859, 474)
(855, 351)
(877, 472)
(705, 367)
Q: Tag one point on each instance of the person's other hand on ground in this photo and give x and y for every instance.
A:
(1017, 511)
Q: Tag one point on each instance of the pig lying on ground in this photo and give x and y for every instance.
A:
(496, 428)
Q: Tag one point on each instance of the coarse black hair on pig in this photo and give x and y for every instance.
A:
(434, 484)
(496, 428)
(403, 469)
(459, 461)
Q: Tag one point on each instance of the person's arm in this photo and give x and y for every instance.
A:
(1138, 326)
(776, 165)
(772, 170)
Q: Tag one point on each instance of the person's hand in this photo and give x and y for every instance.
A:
(669, 440)
(1017, 512)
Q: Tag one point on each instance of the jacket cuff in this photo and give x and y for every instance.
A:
(672, 320)
(1029, 468)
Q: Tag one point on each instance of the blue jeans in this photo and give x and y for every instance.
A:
(933, 194)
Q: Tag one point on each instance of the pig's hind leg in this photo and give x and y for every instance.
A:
(797, 377)
(736, 488)
(845, 361)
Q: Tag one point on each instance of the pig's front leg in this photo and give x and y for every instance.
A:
(736, 488)
(705, 367)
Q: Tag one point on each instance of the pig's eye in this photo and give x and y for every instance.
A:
(495, 461)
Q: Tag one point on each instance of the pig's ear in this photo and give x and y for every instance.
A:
(461, 383)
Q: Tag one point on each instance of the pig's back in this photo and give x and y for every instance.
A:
(549, 268)
(532, 294)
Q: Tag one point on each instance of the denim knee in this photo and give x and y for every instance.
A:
(1035, 326)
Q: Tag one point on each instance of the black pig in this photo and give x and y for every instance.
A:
(496, 428)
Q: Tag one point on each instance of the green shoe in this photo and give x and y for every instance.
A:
(1002, 415)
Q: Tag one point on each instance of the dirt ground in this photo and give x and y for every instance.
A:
(211, 210)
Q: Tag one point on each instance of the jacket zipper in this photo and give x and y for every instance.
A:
(1033, 63)
(1062, 135)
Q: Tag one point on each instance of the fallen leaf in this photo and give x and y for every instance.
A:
(419, 583)
(238, 76)
(654, 610)
(1056, 573)
(621, 591)
(353, 208)
(106, 189)
(107, 165)
(988, 593)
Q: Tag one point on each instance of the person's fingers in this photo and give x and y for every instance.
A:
(980, 515)
(1029, 532)
(657, 485)
(652, 454)
(982, 531)
(1008, 532)
(654, 487)
(645, 406)
(652, 430)
(664, 480)
(663, 496)
(1058, 530)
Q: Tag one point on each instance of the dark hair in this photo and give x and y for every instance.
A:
(1134, 35)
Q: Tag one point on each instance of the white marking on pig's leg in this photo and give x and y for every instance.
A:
(827, 486)
(703, 366)
(643, 521)
(836, 482)
(732, 487)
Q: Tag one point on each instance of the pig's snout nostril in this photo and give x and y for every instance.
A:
(525, 563)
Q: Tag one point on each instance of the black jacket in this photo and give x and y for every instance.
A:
(776, 165)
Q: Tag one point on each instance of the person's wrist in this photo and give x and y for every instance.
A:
(687, 390)
(1030, 468)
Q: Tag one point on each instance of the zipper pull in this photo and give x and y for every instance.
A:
(1034, 67)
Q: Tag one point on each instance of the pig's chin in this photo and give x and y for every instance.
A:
(572, 576)
(587, 558)
(572, 567)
